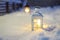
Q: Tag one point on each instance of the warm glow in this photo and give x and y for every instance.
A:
(37, 24)
(27, 9)
(45, 26)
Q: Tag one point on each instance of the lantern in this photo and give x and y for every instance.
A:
(37, 21)
(27, 8)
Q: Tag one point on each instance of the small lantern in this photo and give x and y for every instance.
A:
(37, 21)
(27, 8)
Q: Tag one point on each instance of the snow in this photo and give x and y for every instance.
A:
(17, 25)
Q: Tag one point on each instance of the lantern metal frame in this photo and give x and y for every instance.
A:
(37, 16)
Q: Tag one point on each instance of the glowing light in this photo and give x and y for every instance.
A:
(27, 9)
(37, 24)
(45, 26)
(48, 27)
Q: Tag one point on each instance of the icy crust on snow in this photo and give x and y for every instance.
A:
(17, 26)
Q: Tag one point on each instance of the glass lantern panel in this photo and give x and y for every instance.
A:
(37, 24)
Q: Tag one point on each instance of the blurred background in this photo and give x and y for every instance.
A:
(8, 6)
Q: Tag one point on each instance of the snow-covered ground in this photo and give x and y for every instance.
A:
(17, 26)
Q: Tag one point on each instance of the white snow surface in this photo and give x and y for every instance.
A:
(17, 25)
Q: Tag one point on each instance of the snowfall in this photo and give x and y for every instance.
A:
(17, 25)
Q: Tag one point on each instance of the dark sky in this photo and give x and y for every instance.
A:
(44, 2)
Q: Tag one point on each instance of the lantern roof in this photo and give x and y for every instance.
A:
(38, 14)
